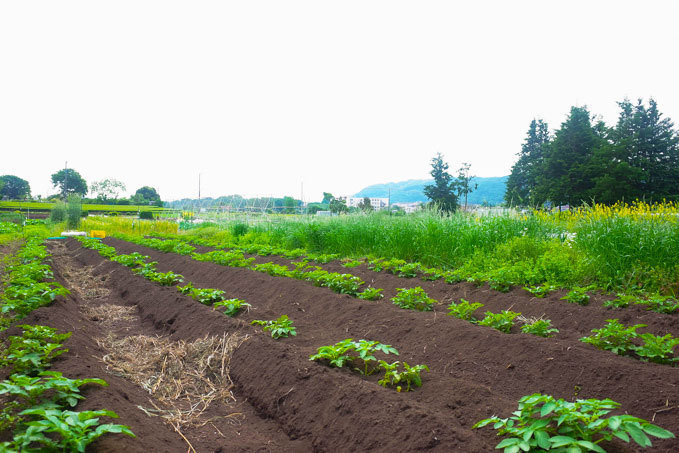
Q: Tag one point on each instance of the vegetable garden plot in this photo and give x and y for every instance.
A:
(476, 371)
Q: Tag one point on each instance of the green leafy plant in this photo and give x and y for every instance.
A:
(411, 375)
(272, 269)
(540, 291)
(33, 351)
(336, 355)
(543, 423)
(351, 263)
(657, 349)
(75, 430)
(464, 310)
(365, 350)
(540, 327)
(207, 296)
(371, 294)
(413, 299)
(231, 307)
(165, 278)
(281, 327)
(578, 295)
(661, 304)
(501, 321)
(134, 259)
(622, 301)
(614, 336)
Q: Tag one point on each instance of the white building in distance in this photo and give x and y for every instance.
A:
(376, 203)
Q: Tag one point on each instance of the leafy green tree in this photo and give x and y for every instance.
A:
(523, 178)
(567, 175)
(464, 185)
(337, 206)
(365, 205)
(641, 160)
(14, 188)
(443, 192)
(327, 196)
(69, 182)
(289, 204)
(107, 189)
(146, 195)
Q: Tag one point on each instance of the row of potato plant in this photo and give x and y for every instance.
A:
(140, 265)
(26, 287)
(342, 283)
(40, 402)
(500, 279)
(40, 411)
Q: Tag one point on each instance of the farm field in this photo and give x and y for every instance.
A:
(184, 376)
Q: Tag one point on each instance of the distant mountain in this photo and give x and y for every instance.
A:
(490, 190)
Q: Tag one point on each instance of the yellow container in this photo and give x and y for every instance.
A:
(98, 234)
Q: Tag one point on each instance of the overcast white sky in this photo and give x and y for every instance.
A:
(260, 96)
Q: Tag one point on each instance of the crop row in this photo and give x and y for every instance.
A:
(502, 279)
(39, 410)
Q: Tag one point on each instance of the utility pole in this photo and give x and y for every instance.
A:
(65, 180)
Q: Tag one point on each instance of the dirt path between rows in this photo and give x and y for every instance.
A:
(476, 371)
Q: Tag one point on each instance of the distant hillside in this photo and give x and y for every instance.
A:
(491, 190)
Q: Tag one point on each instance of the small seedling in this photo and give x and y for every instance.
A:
(622, 301)
(281, 327)
(410, 375)
(231, 307)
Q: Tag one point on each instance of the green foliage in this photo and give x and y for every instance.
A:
(393, 377)
(33, 351)
(622, 301)
(540, 291)
(371, 294)
(349, 351)
(231, 258)
(69, 181)
(165, 278)
(443, 193)
(464, 310)
(276, 270)
(14, 188)
(146, 215)
(413, 299)
(75, 430)
(231, 307)
(543, 423)
(524, 176)
(540, 327)
(207, 296)
(73, 211)
(577, 295)
(281, 327)
(58, 212)
(500, 321)
(352, 263)
(614, 337)
(661, 304)
(134, 259)
(657, 349)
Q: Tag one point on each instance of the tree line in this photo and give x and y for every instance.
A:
(68, 182)
(586, 161)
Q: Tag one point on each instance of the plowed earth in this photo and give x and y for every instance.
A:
(284, 402)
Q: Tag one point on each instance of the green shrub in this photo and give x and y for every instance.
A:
(73, 211)
(58, 213)
(146, 215)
